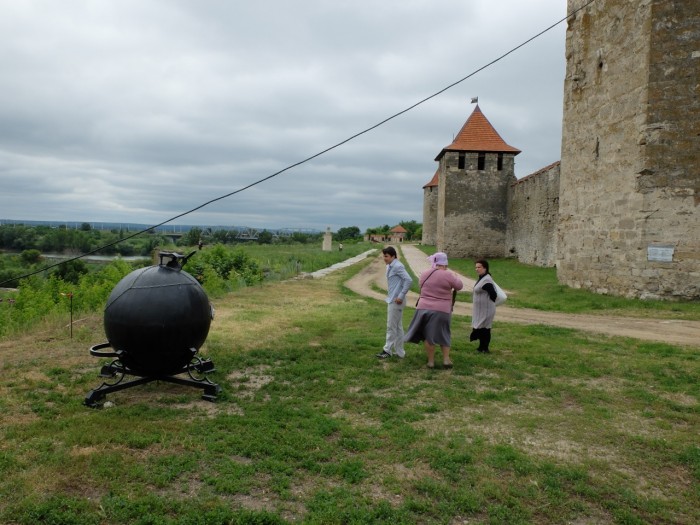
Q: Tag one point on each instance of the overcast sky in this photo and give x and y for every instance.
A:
(140, 110)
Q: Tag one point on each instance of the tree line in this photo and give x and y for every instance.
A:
(346, 233)
(18, 237)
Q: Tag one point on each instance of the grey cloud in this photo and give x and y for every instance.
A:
(139, 111)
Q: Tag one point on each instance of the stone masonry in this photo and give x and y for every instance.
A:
(533, 217)
(430, 210)
(621, 213)
(630, 168)
(471, 202)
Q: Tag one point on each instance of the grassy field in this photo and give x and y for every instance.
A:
(538, 288)
(555, 426)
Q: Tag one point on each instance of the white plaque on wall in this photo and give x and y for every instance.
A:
(660, 253)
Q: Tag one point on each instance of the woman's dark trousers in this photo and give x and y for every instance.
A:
(484, 337)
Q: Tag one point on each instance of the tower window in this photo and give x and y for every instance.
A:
(460, 162)
(500, 162)
(481, 161)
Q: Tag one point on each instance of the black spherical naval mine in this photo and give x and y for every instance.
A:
(156, 318)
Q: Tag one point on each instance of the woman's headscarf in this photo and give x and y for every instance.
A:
(438, 258)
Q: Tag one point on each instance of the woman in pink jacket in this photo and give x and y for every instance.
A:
(431, 322)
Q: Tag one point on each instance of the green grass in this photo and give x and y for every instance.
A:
(290, 259)
(555, 426)
(538, 288)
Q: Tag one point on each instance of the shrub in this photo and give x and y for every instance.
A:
(30, 256)
(38, 297)
(229, 264)
(71, 271)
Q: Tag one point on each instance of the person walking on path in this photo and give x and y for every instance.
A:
(398, 284)
(484, 306)
(431, 322)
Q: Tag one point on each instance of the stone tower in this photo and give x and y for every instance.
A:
(629, 212)
(474, 175)
(430, 207)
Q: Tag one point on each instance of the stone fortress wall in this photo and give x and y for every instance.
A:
(533, 217)
(629, 215)
(489, 213)
(620, 214)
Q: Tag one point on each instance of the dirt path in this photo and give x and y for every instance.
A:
(686, 333)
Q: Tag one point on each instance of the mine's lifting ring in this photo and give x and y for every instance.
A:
(96, 351)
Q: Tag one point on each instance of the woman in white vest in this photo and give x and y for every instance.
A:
(484, 306)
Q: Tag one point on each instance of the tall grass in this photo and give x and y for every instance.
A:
(220, 269)
(39, 297)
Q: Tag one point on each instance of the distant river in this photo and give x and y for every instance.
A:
(96, 258)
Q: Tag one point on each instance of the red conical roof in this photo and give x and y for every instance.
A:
(434, 181)
(478, 134)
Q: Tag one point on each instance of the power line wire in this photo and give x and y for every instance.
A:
(307, 159)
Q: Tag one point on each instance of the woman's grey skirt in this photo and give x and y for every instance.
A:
(430, 326)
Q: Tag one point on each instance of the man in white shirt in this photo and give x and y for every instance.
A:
(398, 284)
